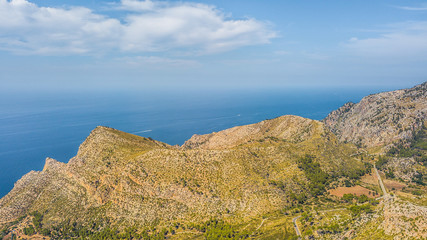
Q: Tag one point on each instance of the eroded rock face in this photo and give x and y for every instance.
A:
(382, 118)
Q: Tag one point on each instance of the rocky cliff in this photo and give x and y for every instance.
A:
(382, 118)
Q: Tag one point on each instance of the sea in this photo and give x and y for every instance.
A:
(39, 124)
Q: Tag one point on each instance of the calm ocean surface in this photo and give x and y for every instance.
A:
(35, 126)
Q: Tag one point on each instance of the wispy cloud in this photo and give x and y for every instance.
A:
(407, 40)
(422, 7)
(148, 26)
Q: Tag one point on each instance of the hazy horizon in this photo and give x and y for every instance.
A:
(136, 45)
(68, 66)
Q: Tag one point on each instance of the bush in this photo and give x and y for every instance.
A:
(417, 192)
(37, 220)
(389, 174)
(347, 183)
(348, 197)
(218, 229)
(358, 209)
(29, 230)
(382, 160)
(418, 179)
(363, 198)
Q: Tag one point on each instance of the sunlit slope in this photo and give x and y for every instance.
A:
(125, 179)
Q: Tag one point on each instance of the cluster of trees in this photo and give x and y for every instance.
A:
(382, 160)
(331, 228)
(29, 230)
(212, 229)
(75, 230)
(356, 173)
(359, 199)
(358, 209)
(218, 229)
(419, 179)
(318, 179)
(94, 230)
(316, 176)
(37, 226)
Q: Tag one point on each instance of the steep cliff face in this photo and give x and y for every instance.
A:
(382, 118)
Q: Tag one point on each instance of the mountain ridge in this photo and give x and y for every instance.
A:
(277, 166)
(283, 127)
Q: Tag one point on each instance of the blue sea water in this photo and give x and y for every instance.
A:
(37, 125)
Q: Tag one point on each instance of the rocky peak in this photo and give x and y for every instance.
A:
(109, 139)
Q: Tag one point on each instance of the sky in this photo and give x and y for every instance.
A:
(251, 44)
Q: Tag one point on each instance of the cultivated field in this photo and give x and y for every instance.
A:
(356, 190)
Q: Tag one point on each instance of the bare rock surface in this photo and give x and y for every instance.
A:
(382, 118)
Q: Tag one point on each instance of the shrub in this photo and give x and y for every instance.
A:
(29, 230)
(363, 198)
(218, 229)
(348, 197)
(358, 209)
(417, 192)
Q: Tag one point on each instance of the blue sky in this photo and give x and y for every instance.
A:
(130, 44)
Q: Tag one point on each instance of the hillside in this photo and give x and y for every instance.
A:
(290, 128)
(124, 179)
(382, 118)
(248, 182)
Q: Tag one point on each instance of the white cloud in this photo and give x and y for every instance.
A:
(148, 26)
(135, 5)
(401, 41)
